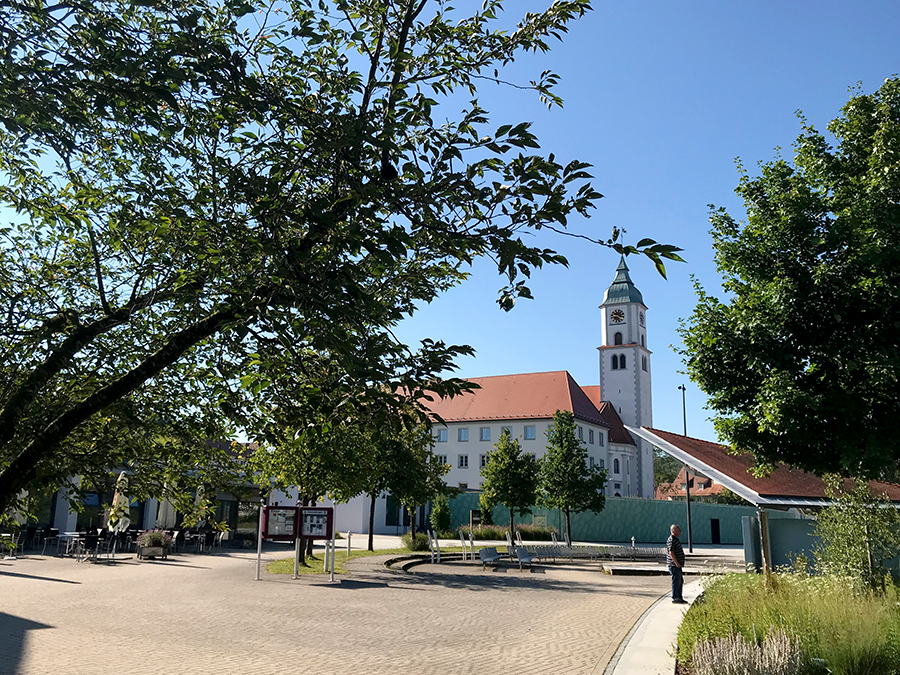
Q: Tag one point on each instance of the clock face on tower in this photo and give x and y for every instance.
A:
(641, 318)
(617, 316)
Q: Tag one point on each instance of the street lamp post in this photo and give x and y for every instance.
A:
(687, 475)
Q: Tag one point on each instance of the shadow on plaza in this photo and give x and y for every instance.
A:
(36, 577)
(14, 630)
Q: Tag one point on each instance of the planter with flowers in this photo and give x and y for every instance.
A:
(154, 544)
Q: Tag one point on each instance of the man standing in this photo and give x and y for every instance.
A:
(675, 561)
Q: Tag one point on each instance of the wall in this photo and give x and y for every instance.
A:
(646, 520)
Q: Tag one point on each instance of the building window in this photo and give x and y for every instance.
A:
(483, 461)
(615, 465)
(600, 440)
(591, 462)
(621, 362)
(617, 486)
(442, 436)
(533, 456)
(617, 339)
(464, 462)
(644, 363)
(580, 433)
(442, 459)
(485, 433)
(602, 463)
(529, 433)
(462, 435)
(642, 341)
(463, 486)
(591, 436)
(615, 362)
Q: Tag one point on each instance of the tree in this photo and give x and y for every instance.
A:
(665, 467)
(510, 478)
(416, 476)
(187, 181)
(567, 482)
(440, 514)
(801, 363)
(860, 531)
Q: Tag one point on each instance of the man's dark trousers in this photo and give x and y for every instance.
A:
(677, 582)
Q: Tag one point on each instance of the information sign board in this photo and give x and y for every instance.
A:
(316, 522)
(280, 523)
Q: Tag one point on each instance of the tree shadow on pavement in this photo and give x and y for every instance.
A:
(14, 630)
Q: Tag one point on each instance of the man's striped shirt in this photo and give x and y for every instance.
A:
(673, 545)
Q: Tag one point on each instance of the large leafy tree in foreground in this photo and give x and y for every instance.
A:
(185, 180)
(801, 361)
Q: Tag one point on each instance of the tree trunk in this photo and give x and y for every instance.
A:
(512, 525)
(412, 522)
(568, 526)
(371, 546)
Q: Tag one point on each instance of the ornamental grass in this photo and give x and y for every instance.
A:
(836, 625)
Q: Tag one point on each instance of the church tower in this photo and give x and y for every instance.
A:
(625, 365)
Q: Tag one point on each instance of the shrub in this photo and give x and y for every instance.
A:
(155, 538)
(440, 514)
(420, 543)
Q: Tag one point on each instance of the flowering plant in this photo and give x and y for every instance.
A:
(155, 538)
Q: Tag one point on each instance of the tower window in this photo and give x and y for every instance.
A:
(642, 341)
(615, 466)
(617, 339)
(644, 363)
(615, 362)
(621, 362)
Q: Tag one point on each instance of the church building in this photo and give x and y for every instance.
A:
(525, 404)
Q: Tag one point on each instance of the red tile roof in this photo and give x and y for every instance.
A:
(674, 489)
(782, 482)
(524, 396)
(617, 431)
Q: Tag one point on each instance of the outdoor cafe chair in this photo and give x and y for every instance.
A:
(50, 536)
(89, 546)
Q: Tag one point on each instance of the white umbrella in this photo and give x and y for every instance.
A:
(120, 510)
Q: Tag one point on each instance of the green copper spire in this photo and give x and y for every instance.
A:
(622, 288)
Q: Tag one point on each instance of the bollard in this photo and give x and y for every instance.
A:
(349, 534)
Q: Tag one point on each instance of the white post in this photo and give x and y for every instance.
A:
(462, 540)
(331, 580)
(259, 540)
(349, 534)
(472, 544)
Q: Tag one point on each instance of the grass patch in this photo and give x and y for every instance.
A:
(852, 632)
(316, 564)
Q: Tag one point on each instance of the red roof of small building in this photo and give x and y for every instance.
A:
(524, 396)
(675, 489)
(782, 482)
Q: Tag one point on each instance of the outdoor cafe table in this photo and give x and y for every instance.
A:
(71, 539)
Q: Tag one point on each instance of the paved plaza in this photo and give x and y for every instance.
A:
(200, 613)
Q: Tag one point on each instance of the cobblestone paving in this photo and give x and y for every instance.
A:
(205, 614)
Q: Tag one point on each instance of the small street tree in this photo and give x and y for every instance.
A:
(860, 531)
(567, 482)
(510, 478)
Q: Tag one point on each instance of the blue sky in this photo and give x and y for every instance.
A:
(661, 98)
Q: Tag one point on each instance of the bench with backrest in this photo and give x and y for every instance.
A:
(489, 556)
(524, 557)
